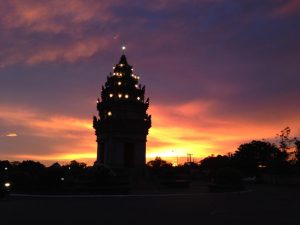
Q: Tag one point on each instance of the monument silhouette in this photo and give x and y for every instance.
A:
(123, 123)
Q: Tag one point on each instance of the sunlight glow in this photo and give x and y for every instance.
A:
(176, 131)
(11, 135)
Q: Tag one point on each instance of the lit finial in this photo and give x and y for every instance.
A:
(123, 49)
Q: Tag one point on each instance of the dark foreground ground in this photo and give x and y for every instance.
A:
(264, 205)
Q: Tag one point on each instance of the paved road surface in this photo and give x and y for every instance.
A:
(261, 206)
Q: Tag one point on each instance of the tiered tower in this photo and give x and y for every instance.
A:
(123, 123)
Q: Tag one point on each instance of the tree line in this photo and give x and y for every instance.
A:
(260, 156)
(253, 159)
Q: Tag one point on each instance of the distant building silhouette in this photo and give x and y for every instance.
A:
(123, 123)
(55, 166)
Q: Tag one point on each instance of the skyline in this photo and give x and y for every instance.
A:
(218, 73)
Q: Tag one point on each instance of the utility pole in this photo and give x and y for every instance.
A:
(176, 157)
(189, 157)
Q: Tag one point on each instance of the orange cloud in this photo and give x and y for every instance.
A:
(191, 128)
(70, 53)
(60, 20)
(75, 136)
(50, 125)
(51, 52)
(38, 16)
(177, 129)
(11, 135)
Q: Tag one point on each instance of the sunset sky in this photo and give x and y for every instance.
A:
(218, 73)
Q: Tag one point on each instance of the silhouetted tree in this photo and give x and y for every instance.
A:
(191, 165)
(26, 173)
(30, 166)
(297, 152)
(210, 164)
(75, 166)
(158, 163)
(285, 140)
(75, 170)
(5, 165)
(260, 155)
(159, 168)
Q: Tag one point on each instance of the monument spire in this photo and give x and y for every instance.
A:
(122, 124)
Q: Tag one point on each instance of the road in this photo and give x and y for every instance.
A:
(263, 205)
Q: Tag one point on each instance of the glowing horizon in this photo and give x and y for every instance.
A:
(218, 73)
(165, 140)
